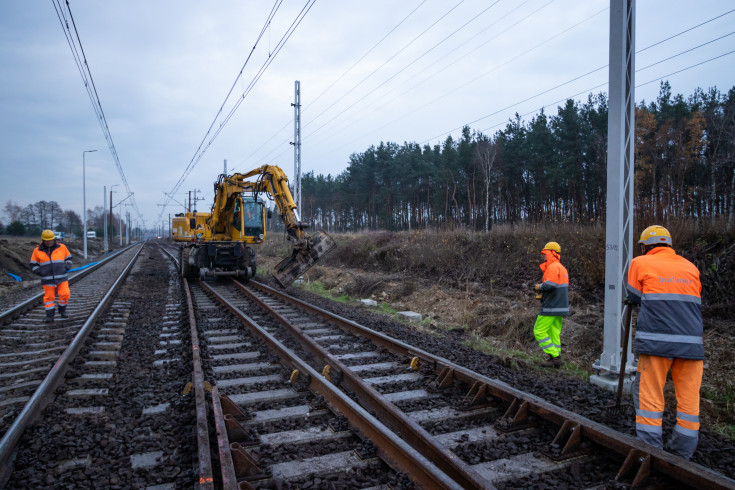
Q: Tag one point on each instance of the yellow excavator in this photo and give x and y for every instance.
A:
(218, 243)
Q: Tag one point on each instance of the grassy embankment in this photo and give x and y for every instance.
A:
(490, 275)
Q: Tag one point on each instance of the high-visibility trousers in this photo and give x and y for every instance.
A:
(49, 295)
(547, 331)
(648, 395)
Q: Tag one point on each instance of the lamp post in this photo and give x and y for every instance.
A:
(84, 197)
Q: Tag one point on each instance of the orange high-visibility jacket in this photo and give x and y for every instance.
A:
(51, 263)
(554, 286)
(667, 287)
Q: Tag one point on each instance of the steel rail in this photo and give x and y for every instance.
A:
(627, 446)
(227, 467)
(387, 412)
(205, 459)
(392, 448)
(45, 391)
(31, 302)
(206, 480)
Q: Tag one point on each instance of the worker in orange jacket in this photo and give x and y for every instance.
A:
(553, 292)
(51, 260)
(668, 337)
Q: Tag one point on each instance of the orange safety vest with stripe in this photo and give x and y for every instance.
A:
(668, 289)
(554, 286)
(51, 263)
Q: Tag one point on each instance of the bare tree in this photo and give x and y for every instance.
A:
(13, 210)
(485, 153)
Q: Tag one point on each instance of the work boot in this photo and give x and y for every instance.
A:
(552, 361)
(62, 311)
(49, 317)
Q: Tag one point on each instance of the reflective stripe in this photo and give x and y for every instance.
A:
(682, 339)
(687, 417)
(34, 262)
(556, 285)
(544, 343)
(649, 414)
(672, 297)
(686, 432)
(653, 429)
(58, 261)
(557, 346)
(548, 310)
(58, 277)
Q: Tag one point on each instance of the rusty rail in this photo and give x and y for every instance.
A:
(639, 457)
(410, 431)
(392, 448)
(206, 480)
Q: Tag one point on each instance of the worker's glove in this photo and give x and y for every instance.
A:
(537, 287)
(628, 301)
(539, 296)
(67, 265)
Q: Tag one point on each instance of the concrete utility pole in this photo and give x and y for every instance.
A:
(84, 197)
(297, 147)
(104, 216)
(620, 168)
(225, 166)
(112, 221)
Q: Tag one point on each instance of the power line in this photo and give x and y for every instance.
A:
(202, 150)
(290, 123)
(582, 76)
(486, 73)
(352, 89)
(343, 127)
(587, 91)
(80, 60)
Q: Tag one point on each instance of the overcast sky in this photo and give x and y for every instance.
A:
(399, 71)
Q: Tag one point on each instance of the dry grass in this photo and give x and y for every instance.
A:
(481, 282)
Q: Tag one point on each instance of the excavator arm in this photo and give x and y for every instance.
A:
(272, 181)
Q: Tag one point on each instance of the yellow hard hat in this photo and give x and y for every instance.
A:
(655, 235)
(47, 235)
(553, 246)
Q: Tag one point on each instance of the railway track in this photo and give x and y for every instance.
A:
(218, 384)
(474, 431)
(34, 356)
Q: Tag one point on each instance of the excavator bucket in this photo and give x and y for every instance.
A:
(303, 258)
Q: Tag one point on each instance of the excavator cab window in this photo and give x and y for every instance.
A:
(236, 217)
(252, 212)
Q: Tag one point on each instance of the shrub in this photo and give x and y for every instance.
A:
(16, 228)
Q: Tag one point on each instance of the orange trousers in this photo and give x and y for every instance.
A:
(648, 395)
(49, 295)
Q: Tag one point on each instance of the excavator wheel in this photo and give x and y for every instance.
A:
(184, 262)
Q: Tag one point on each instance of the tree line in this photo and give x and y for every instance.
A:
(552, 168)
(32, 219)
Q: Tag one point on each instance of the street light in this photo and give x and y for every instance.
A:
(84, 197)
